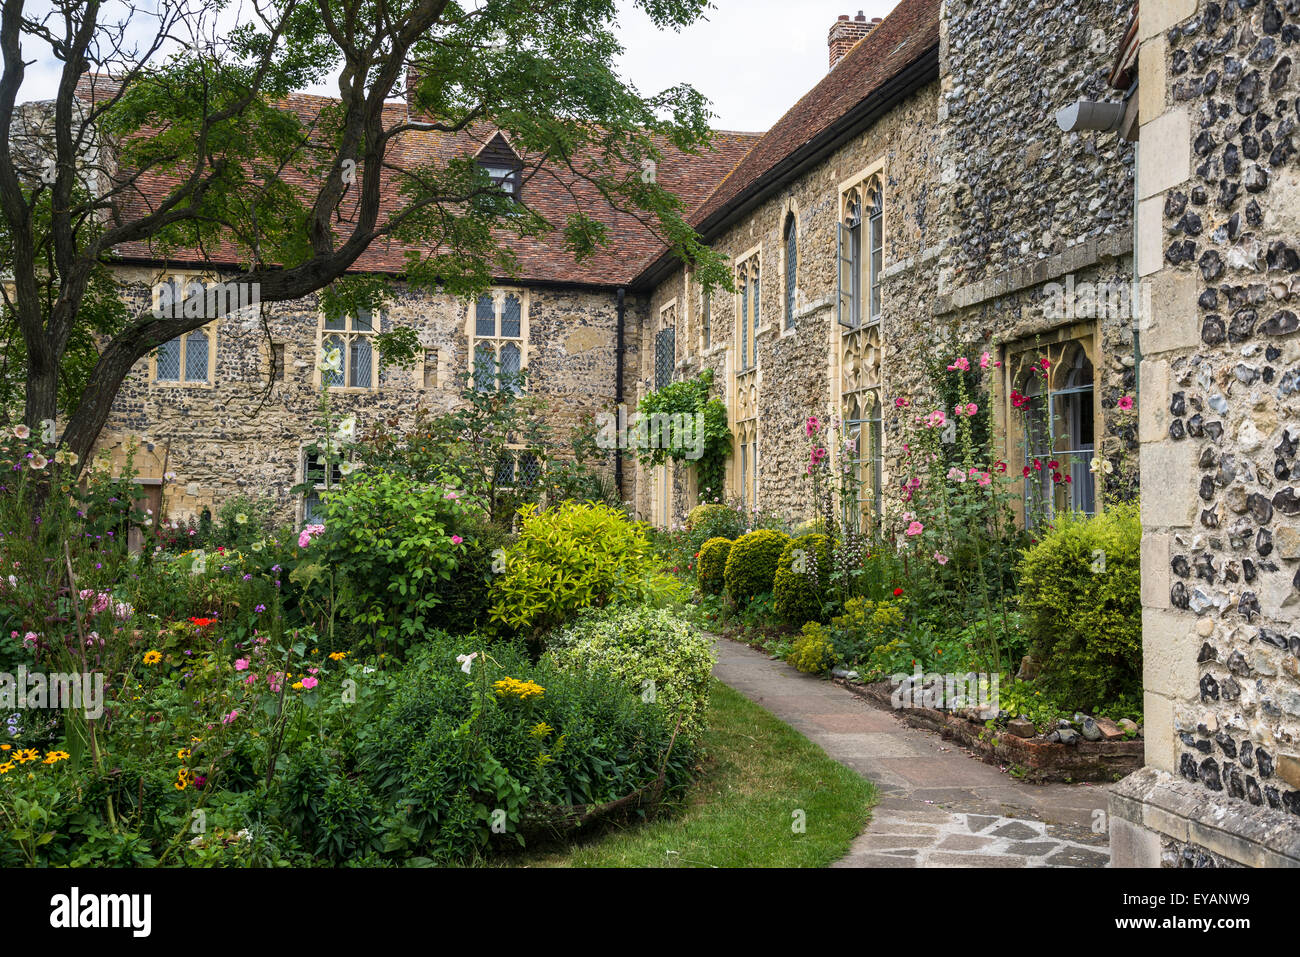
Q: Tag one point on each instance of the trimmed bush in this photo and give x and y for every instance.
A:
(653, 652)
(1081, 597)
(802, 576)
(702, 513)
(751, 564)
(567, 558)
(713, 565)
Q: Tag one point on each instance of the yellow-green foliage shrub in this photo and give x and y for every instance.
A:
(1080, 592)
(751, 565)
(802, 575)
(572, 556)
(812, 651)
(713, 565)
(652, 651)
(702, 514)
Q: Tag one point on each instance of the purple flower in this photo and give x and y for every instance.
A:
(259, 609)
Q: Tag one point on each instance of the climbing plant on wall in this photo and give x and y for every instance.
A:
(708, 440)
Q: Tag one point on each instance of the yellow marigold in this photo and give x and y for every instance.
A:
(152, 657)
(338, 655)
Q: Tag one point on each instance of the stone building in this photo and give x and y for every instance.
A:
(230, 409)
(922, 201)
(1218, 238)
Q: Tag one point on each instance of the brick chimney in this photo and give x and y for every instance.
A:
(845, 33)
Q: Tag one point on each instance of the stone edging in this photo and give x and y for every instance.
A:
(1098, 761)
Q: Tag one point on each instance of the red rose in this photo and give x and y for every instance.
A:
(897, 592)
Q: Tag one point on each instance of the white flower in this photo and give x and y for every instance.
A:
(22, 432)
(241, 518)
(332, 360)
(466, 661)
(39, 461)
(347, 430)
(169, 476)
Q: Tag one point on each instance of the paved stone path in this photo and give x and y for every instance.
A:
(939, 805)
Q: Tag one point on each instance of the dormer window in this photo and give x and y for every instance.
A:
(502, 164)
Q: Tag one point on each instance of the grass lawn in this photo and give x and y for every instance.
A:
(739, 814)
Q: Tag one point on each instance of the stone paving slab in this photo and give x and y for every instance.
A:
(939, 806)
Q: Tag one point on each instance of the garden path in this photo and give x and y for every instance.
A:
(939, 805)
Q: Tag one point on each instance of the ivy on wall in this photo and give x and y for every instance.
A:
(690, 397)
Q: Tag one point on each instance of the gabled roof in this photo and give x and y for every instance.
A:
(886, 64)
(554, 193)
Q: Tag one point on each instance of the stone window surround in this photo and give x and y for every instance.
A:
(744, 482)
(790, 213)
(1008, 420)
(422, 370)
(304, 460)
(209, 330)
(750, 259)
(860, 183)
(346, 334)
(499, 294)
(265, 349)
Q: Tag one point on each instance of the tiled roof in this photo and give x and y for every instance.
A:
(905, 36)
(555, 194)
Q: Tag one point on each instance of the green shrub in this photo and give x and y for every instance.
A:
(702, 514)
(801, 580)
(567, 558)
(652, 651)
(389, 542)
(1082, 605)
(751, 564)
(872, 636)
(465, 597)
(713, 565)
(812, 651)
(449, 750)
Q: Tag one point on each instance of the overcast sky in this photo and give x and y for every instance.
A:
(752, 58)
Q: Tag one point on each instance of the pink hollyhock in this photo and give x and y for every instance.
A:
(812, 426)
(310, 683)
(971, 408)
(985, 478)
(901, 403)
(230, 718)
(985, 359)
(941, 558)
(916, 528)
(956, 475)
(241, 664)
(1125, 402)
(963, 364)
